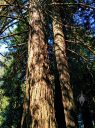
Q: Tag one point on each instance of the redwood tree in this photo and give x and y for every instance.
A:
(62, 68)
(38, 107)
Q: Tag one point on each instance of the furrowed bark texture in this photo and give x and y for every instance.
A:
(62, 67)
(39, 106)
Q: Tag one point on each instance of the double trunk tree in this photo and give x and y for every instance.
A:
(39, 110)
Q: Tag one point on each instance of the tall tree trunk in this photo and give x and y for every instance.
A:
(38, 106)
(62, 67)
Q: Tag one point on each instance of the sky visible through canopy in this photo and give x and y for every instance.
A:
(80, 18)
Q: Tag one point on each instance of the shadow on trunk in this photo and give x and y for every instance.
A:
(59, 109)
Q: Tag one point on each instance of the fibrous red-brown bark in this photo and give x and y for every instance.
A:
(39, 93)
(62, 67)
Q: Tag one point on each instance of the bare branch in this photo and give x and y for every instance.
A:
(78, 4)
(85, 59)
(83, 44)
(15, 46)
(4, 5)
(12, 35)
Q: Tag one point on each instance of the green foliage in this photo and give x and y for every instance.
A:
(4, 102)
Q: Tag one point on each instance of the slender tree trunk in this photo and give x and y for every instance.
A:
(62, 67)
(38, 106)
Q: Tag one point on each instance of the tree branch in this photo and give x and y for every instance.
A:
(78, 4)
(11, 35)
(85, 45)
(85, 59)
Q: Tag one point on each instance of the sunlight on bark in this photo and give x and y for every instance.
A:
(62, 65)
(39, 90)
